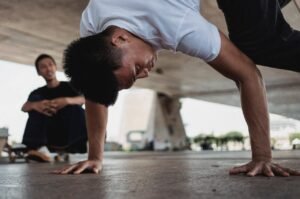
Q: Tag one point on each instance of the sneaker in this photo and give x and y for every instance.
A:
(37, 156)
(62, 157)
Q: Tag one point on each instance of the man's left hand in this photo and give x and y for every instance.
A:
(59, 103)
(265, 168)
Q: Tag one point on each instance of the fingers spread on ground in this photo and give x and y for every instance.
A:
(238, 170)
(69, 169)
(291, 171)
(267, 171)
(279, 171)
(80, 169)
(58, 171)
(96, 170)
(256, 170)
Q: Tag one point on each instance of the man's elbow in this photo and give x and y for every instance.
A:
(253, 75)
(81, 100)
(24, 109)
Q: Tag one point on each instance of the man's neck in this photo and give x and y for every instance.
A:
(52, 83)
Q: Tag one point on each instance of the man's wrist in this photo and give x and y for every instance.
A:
(33, 106)
(68, 101)
(260, 157)
(94, 158)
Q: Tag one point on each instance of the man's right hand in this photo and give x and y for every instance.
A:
(44, 107)
(91, 166)
(96, 120)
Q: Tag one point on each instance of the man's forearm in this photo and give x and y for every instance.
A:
(96, 119)
(254, 105)
(233, 64)
(79, 100)
(28, 106)
(96, 146)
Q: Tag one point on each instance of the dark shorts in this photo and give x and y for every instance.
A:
(258, 28)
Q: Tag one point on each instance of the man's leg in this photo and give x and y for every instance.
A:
(35, 131)
(259, 29)
(35, 137)
(72, 121)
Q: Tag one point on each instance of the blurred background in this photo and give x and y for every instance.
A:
(208, 126)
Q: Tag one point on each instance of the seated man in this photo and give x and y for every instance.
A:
(56, 118)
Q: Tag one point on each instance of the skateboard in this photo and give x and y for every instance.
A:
(20, 151)
(16, 151)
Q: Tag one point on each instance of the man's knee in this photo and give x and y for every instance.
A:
(71, 114)
(73, 109)
(36, 119)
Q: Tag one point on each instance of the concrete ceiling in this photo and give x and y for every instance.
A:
(31, 27)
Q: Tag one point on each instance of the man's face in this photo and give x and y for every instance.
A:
(47, 69)
(138, 58)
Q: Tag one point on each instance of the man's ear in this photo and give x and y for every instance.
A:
(119, 38)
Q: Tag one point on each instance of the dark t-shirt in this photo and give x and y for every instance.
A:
(64, 89)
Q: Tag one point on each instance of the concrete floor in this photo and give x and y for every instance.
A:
(151, 175)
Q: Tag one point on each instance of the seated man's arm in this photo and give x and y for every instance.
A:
(233, 64)
(61, 102)
(42, 107)
(78, 100)
(96, 120)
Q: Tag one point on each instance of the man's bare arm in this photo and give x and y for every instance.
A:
(233, 64)
(96, 120)
(78, 100)
(61, 102)
(42, 107)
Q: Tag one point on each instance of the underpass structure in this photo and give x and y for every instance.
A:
(28, 28)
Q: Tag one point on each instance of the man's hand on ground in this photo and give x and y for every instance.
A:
(92, 166)
(265, 168)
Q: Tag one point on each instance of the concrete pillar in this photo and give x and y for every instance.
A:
(3, 138)
(151, 121)
(165, 124)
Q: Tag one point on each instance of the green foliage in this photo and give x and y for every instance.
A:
(235, 136)
(293, 136)
(204, 138)
(232, 136)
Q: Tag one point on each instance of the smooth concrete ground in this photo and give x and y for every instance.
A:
(151, 176)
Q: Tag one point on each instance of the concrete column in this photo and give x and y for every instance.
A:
(151, 121)
(167, 126)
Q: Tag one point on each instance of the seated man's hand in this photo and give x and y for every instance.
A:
(44, 107)
(59, 103)
(265, 168)
(92, 166)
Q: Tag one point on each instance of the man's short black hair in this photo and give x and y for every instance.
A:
(89, 63)
(40, 57)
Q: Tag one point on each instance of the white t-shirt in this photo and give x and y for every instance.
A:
(166, 24)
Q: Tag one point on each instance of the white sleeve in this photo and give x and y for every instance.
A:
(198, 38)
(86, 24)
